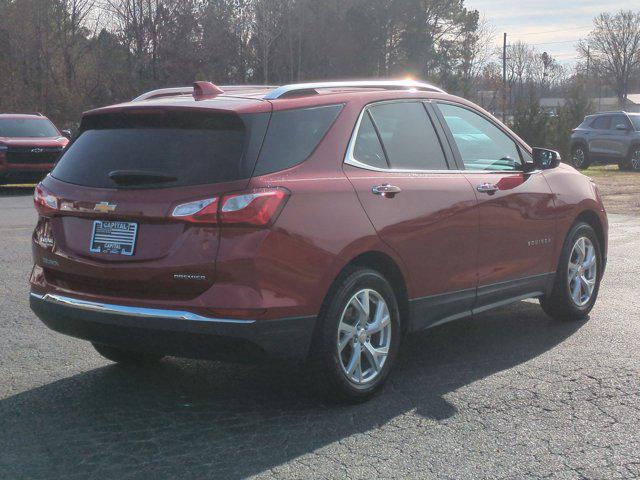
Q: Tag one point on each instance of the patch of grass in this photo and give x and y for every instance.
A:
(620, 190)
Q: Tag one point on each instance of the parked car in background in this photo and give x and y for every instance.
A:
(606, 138)
(30, 146)
(320, 222)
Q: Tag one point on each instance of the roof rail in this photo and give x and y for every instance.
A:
(165, 92)
(169, 92)
(292, 89)
(198, 90)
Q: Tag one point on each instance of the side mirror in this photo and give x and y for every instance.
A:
(66, 134)
(544, 159)
(622, 126)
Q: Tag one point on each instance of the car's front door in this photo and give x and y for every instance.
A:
(398, 164)
(619, 136)
(516, 209)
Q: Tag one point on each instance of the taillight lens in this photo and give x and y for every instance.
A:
(256, 208)
(200, 211)
(44, 201)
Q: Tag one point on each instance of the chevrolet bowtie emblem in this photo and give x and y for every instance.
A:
(104, 207)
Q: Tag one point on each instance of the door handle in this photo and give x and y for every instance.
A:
(386, 190)
(488, 188)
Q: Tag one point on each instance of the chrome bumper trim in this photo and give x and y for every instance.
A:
(132, 311)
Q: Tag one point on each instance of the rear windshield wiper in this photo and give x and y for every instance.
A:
(139, 177)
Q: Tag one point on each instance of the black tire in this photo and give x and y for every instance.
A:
(560, 305)
(329, 376)
(580, 157)
(633, 162)
(125, 357)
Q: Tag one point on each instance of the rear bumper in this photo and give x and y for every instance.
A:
(172, 332)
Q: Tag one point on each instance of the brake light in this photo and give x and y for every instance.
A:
(257, 208)
(200, 211)
(44, 201)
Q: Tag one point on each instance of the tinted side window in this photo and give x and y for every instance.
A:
(408, 136)
(293, 135)
(367, 148)
(482, 145)
(619, 120)
(601, 123)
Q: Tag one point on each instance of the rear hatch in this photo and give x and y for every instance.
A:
(116, 229)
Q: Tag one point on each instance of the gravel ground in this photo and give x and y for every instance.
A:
(508, 394)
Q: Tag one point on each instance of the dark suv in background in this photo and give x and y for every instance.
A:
(607, 137)
(30, 145)
(320, 222)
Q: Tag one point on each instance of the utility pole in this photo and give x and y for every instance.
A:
(504, 78)
(588, 67)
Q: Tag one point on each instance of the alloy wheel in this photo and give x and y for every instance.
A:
(364, 336)
(582, 271)
(635, 160)
(578, 157)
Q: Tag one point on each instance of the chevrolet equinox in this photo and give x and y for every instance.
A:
(320, 222)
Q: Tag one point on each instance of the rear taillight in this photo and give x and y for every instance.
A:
(44, 201)
(3, 152)
(200, 211)
(256, 208)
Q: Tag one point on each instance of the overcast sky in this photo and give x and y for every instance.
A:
(554, 25)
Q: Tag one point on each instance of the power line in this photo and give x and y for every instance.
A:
(555, 31)
(554, 43)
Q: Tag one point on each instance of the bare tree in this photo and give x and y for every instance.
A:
(269, 25)
(476, 54)
(614, 44)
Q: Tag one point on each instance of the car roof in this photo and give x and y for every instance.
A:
(35, 116)
(262, 98)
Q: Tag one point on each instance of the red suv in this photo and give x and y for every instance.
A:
(30, 145)
(320, 222)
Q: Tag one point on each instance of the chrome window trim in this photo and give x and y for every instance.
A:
(126, 310)
(351, 160)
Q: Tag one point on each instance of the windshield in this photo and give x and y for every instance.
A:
(635, 119)
(27, 128)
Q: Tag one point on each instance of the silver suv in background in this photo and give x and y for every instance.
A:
(607, 137)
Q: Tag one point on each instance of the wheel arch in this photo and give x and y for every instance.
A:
(389, 269)
(592, 219)
(580, 142)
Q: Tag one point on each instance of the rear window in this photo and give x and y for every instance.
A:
(27, 128)
(601, 123)
(293, 135)
(170, 148)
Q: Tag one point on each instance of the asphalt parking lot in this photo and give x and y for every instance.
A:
(508, 394)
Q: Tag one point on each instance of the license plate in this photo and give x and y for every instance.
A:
(113, 237)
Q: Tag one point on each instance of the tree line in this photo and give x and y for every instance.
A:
(64, 56)
(61, 57)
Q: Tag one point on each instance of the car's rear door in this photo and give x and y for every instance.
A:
(619, 136)
(598, 138)
(398, 163)
(516, 209)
